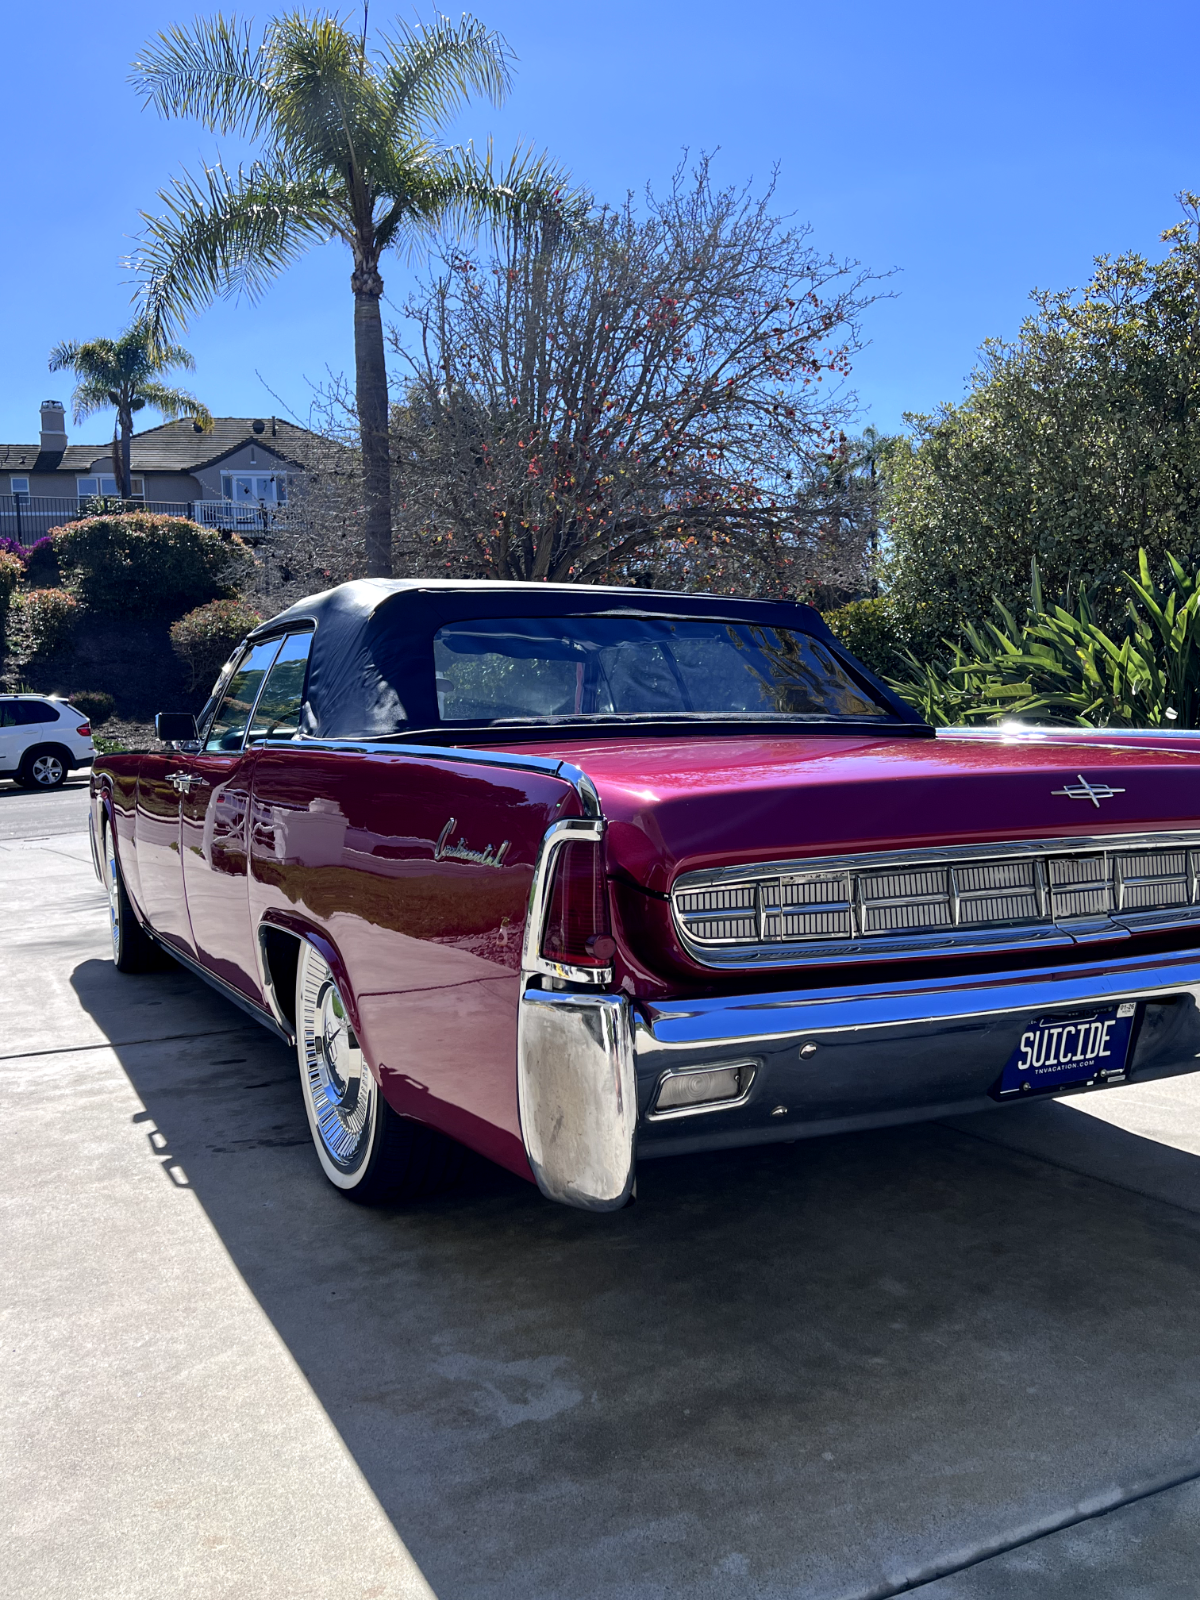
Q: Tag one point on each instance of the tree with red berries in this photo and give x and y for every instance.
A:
(645, 398)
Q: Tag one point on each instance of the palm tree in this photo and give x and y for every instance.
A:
(348, 151)
(125, 373)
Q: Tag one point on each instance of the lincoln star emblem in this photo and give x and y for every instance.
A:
(1083, 790)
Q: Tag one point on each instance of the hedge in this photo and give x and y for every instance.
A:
(47, 618)
(206, 637)
(140, 564)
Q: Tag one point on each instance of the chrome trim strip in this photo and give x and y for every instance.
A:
(740, 1022)
(235, 996)
(549, 766)
(532, 959)
(1064, 734)
(858, 944)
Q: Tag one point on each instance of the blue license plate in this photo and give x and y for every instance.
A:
(1077, 1047)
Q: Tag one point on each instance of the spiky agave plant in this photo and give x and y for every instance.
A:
(1059, 664)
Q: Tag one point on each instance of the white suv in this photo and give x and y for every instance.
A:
(41, 740)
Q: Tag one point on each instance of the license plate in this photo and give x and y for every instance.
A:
(1077, 1047)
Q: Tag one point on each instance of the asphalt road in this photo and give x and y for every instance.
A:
(26, 814)
(958, 1359)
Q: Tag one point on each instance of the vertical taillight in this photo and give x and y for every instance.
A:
(577, 925)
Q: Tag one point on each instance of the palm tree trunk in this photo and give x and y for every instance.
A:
(371, 394)
(124, 481)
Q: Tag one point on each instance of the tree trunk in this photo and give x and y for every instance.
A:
(371, 394)
(122, 467)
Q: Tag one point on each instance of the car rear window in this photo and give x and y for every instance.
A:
(518, 669)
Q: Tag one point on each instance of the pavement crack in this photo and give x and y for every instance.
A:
(1101, 1506)
(121, 1044)
(1076, 1171)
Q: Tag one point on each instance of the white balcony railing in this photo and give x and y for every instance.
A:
(27, 518)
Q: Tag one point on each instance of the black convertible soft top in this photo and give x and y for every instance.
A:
(371, 669)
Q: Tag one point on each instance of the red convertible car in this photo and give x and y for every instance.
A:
(578, 877)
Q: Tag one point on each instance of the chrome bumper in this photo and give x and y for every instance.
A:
(825, 1061)
(893, 1053)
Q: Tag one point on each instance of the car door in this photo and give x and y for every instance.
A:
(214, 814)
(11, 737)
(156, 838)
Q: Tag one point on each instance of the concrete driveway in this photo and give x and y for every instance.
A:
(839, 1369)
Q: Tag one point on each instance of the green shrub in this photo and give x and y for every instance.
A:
(96, 706)
(45, 618)
(11, 568)
(206, 637)
(41, 565)
(870, 630)
(139, 564)
(1059, 665)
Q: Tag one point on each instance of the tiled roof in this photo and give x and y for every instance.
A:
(172, 447)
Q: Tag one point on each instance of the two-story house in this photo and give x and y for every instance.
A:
(237, 474)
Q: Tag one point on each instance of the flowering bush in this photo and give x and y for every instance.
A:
(41, 564)
(96, 706)
(11, 569)
(46, 618)
(137, 563)
(206, 637)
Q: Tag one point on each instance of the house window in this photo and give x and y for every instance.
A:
(255, 488)
(105, 487)
(19, 487)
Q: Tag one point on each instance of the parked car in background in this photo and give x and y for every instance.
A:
(42, 740)
(581, 877)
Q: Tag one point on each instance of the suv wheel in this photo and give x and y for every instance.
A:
(43, 769)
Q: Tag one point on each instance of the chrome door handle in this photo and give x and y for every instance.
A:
(182, 782)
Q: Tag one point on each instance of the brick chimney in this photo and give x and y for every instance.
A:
(54, 426)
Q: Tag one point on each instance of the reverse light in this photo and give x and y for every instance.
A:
(577, 928)
(706, 1088)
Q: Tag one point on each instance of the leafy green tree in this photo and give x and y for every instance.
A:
(1078, 444)
(348, 151)
(126, 373)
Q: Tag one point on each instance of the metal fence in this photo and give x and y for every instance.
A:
(27, 518)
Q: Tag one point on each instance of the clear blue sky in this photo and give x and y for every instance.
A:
(982, 150)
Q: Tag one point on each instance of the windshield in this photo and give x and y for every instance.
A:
(515, 669)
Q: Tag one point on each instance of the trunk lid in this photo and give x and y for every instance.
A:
(683, 804)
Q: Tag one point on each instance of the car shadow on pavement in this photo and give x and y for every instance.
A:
(817, 1369)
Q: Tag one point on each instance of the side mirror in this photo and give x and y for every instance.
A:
(175, 727)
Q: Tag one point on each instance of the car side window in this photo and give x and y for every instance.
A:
(277, 715)
(8, 713)
(30, 712)
(228, 727)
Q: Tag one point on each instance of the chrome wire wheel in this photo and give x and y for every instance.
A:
(112, 885)
(340, 1094)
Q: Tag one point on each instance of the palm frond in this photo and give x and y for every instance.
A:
(214, 72)
(455, 189)
(175, 403)
(90, 396)
(433, 69)
(222, 235)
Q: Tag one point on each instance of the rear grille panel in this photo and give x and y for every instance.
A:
(906, 903)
